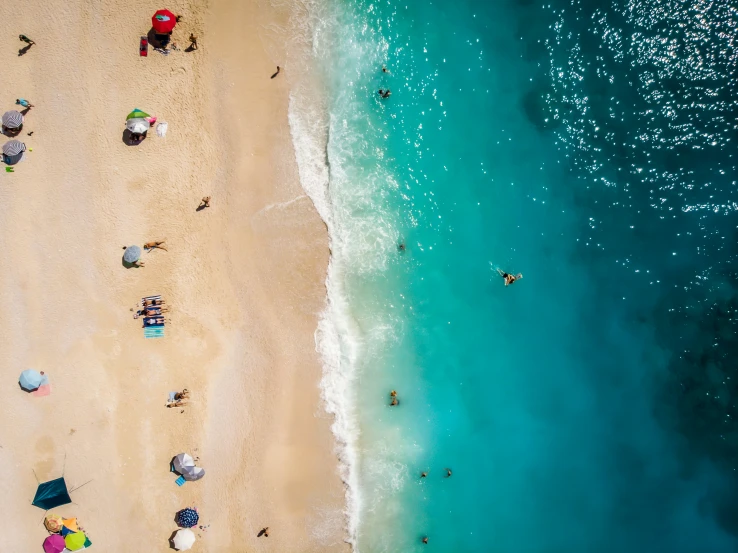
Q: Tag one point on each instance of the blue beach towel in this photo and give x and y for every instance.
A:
(180, 481)
(154, 332)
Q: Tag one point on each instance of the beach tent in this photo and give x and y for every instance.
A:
(137, 114)
(12, 119)
(30, 380)
(75, 541)
(53, 523)
(184, 539)
(187, 518)
(163, 22)
(138, 125)
(52, 494)
(54, 544)
(132, 254)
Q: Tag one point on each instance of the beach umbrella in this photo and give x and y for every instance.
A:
(13, 148)
(12, 119)
(75, 541)
(163, 22)
(132, 254)
(51, 494)
(30, 380)
(187, 518)
(54, 544)
(138, 125)
(137, 114)
(53, 523)
(184, 539)
(181, 461)
(192, 473)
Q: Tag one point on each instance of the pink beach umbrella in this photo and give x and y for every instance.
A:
(54, 544)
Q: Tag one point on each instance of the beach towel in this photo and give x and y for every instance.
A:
(150, 298)
(180, 481)
(41, 391)
(154, 332)
(161, 129)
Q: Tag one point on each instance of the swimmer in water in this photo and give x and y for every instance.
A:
(509, 279)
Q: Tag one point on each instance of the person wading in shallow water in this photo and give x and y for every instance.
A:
(394, 400)
(509, 279)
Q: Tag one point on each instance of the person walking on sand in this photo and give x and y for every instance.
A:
(193, 42)
(277, 73)
(153, 245)
(205, 202)
(509, 279)
(264, 532)
(24, 103)
(27, 40)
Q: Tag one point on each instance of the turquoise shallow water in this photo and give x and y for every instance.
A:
(588, 407)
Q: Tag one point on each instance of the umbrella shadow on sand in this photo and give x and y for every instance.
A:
(128, 138)
(157, 40)
(171, 540)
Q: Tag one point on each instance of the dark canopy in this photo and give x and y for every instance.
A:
(52, 494)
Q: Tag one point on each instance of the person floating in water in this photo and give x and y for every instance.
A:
(384, 93)
(425, 539)
(423, 474)
(401, 247)
(509, 279)
(448, 473)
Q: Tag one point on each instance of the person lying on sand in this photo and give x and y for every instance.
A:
(509, 279)
(152, 245)
(177, 403)
(153, 302)
(184, 394)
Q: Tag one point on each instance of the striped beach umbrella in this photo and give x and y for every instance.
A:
(137, 114)
(132, 254)
(53, 523)
(187, 518)
(12, 119)
(13, 148)
(163, 22)
(138, 125)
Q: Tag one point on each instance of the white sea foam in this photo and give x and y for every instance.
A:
(361, 232)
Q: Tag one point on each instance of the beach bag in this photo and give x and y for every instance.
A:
(161, 129)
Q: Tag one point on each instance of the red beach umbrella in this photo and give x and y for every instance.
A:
(163, 22)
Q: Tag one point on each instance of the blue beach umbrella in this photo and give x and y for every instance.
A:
(30, 380)
(187, 518)
(132, 254)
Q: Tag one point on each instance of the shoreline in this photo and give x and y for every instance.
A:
(245, 279)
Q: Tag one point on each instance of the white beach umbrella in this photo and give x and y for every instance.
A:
(138, 125)
(192, 473)
(182, 461)
(184, 539)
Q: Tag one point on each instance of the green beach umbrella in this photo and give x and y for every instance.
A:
(75, 541)
(137, 114)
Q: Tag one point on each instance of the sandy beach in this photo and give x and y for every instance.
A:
(244, 280)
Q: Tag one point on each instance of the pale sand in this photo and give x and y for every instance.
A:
(244, 278)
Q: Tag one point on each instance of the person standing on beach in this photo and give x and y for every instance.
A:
(193, 42)
(277, 73)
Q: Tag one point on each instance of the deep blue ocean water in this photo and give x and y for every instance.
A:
(589, 145)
